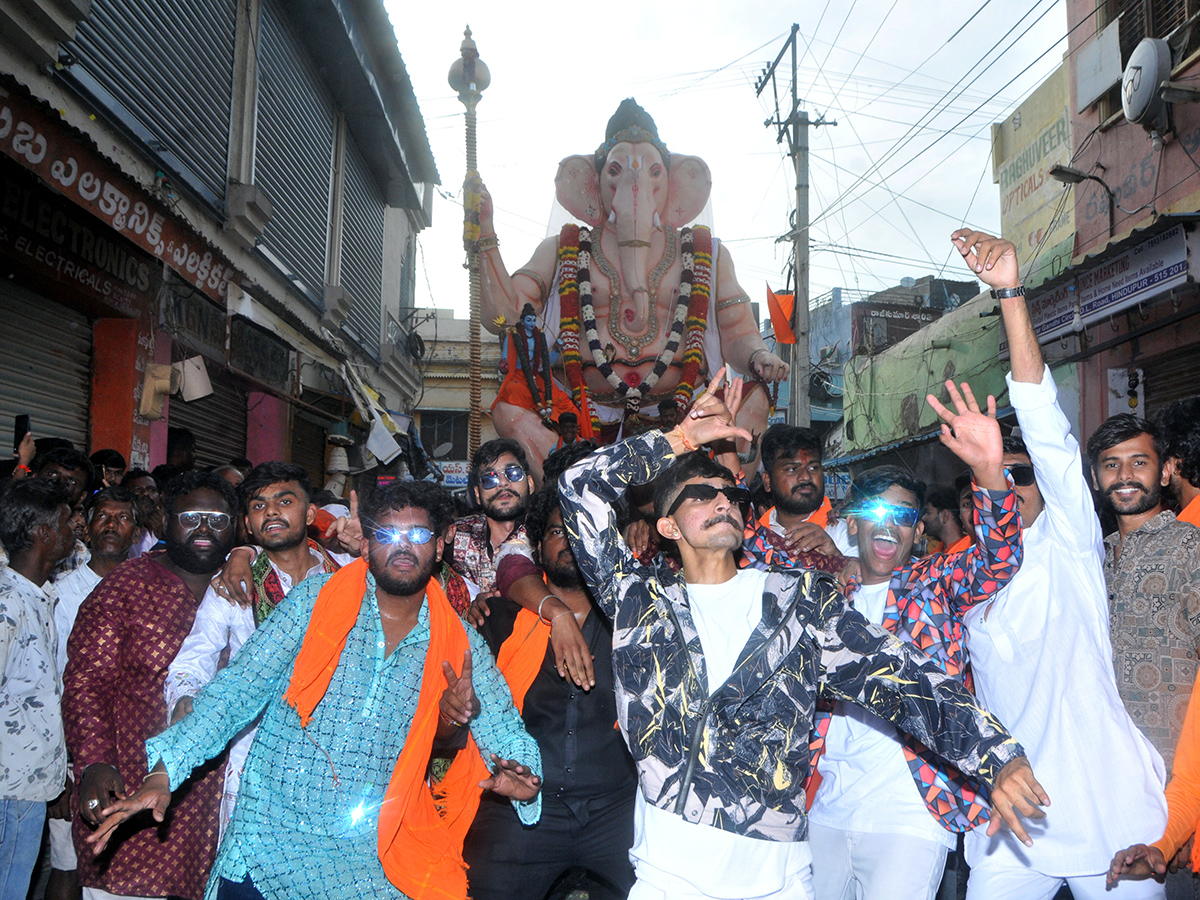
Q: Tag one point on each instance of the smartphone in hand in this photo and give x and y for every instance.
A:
(20, 429)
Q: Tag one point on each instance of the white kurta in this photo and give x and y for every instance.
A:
(1042, 661)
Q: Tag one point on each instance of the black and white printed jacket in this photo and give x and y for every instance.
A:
(738, 760)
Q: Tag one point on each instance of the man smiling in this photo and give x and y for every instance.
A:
(1152, 569)
(887, 810)
(126, 634)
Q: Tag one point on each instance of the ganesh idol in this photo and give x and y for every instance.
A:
(642, 308)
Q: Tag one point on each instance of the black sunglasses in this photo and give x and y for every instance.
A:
(1022, 474)
(706, 493)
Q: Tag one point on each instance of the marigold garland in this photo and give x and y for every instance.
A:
(568, 295)
(697, 320)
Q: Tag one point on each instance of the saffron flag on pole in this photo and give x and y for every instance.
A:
(780, 307)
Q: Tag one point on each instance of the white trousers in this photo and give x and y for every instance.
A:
(62, 846)
(798, 887)
(857, 865)
(1014, 883)
(97, 894)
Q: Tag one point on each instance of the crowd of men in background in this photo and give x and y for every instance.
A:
(656, 676)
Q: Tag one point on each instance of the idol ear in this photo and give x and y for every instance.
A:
(577, 187)
(690, 186)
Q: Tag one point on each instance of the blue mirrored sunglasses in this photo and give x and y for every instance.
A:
(490, 480)
(414, 535)
(904, 516)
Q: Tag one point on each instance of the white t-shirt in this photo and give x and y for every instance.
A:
(866, 784)
(676, 856)
(73, 589)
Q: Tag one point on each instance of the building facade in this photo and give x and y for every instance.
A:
(236, 180)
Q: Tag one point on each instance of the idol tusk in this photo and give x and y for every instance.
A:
(612, 217)
(657, 221)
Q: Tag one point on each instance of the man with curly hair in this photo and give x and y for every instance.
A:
(1180, 426)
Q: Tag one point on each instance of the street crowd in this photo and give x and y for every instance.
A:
(654, 676)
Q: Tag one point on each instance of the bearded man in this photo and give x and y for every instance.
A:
(357, 676)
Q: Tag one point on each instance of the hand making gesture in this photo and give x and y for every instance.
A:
(973, 436)
(458, 703)
(992, 259)
(511, 779)
(710, 418)
(154, 795)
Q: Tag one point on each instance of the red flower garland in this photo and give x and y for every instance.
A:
(568, 295)
(697, 320)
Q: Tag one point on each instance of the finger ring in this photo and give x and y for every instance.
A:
(93, 803)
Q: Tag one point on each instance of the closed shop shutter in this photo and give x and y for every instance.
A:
(294, 151)
(166, 70)
(45, 366)
(218, 421)
(1171, 378)
(362, 251)
(308, 446)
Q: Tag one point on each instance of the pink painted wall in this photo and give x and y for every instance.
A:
(268, 429)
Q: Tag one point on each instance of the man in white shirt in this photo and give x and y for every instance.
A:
(111, 528)
(718, 670)
(35, 528)
(277, 497)
(794, 479)
(1041, 653)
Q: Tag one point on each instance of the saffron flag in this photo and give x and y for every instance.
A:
(780, 306)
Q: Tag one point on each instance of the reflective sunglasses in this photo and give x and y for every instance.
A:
(878, 511)
(191, 520)
(490, 480)
(414, 535)
(1022, 474)
(706, 493)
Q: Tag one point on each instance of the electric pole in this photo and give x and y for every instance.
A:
(794, 129)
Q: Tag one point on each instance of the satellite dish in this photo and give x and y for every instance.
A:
(442, 449)
(1149, 66)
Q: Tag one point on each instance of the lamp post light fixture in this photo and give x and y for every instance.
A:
(1071, 175)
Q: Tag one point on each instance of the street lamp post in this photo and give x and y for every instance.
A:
(469, 76)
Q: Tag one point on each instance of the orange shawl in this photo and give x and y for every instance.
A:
(819, 516)
(1191, 513)
(521, 655)
(420, 833)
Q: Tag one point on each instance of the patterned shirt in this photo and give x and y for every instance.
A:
(473, 557)
(125, 636)
(1154, 605)
(306, 823)
(33, 757)
(736, 758)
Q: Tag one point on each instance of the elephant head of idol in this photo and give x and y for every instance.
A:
(637, 187)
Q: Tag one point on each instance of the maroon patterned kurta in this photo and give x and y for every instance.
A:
(127, 634)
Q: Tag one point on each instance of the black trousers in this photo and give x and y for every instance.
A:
(511, 861)
(231, 890)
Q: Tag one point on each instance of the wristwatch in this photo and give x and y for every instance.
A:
(1005, 293)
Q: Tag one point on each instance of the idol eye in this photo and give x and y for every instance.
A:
(656, 170)
(614, 169)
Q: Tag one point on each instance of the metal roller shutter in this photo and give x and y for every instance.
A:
(308, 446)
(1171, 378)
(294, 151)
(169, 69)
(45, 366)
(218, 421)
(362, 251)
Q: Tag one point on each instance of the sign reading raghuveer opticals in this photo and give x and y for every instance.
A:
(31, 137)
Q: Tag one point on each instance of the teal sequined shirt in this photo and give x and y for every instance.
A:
(306, 822)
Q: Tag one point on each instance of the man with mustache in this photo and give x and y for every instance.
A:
(587, 804)
(500, 485)
(1180, 426)
(125, 636)
(887, 810)
(278, 512)
(1152, 569)
(356, 676)
(111, 525)
(794, 480)
(717, 669)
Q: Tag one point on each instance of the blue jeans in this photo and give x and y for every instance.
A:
(21, 823)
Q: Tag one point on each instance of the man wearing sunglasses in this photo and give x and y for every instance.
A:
(358, 676)
(887, 809)
(718, 671)
(1041, 655)
(500, 484)
(125, 636)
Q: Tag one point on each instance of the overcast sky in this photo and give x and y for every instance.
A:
(904, 80)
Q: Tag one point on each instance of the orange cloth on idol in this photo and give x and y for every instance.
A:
(515, 390)
(1183, 790)
(520, 657)
(963, 543)
(420, 836)
(1191, 513)
(819, 516)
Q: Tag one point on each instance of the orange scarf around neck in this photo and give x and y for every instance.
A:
(420, 833)
(819, 516)
(521, 655)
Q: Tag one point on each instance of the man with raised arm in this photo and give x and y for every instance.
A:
(1063, 707)
(718, 670)
(356, 675)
